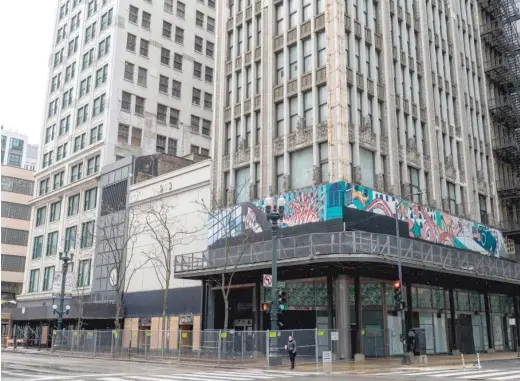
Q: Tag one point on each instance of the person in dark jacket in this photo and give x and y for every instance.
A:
(291, 349)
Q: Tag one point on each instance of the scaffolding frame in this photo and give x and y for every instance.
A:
(499, 31)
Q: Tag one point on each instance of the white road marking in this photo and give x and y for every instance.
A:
(492, 374)
(514, 377)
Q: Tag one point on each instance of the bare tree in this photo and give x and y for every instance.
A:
(222, 221)
(167, 232)
(117, 235)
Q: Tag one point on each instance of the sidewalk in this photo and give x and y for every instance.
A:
(339, 367)
(434, 362)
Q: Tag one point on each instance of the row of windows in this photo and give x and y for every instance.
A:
(16, 185)
(15, 263)
(171, 147)
(76, 174)
(100, 78)
(69, 241)
(146, 18)
(89, 203)
(14, 236)
(144, 45)
(16, 211)
(82, 278)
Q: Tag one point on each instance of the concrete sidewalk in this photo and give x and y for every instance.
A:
(434, 362)
(338, 367)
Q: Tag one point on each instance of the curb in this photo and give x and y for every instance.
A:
(317, 368)
(48, 353)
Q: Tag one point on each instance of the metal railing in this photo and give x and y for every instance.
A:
(224, 347)
(369, 246)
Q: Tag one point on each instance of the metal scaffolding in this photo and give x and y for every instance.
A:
(499, 31)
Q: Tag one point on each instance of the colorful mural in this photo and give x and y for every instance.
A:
(302, 206)
(325, 202)
(427, 223)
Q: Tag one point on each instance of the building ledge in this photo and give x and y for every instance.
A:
(348, 246)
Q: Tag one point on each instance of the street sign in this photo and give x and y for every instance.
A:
(327, 357)
(334, 336)
(268, 280)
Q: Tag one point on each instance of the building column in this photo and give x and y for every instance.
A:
(491, 341)
(453, 332)
(360, 354)
(409, 309)
(256, 306)
(204, 305)
(210, 317)
(343, 317)
(516, 306)
(330, 301)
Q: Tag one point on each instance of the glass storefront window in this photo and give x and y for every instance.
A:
(474, 302)
(371, 294)
(438, 298)
(462, 301)
(424, 297)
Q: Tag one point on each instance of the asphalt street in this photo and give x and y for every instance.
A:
(491, 370)
(33, 367)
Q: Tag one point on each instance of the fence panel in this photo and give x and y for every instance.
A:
(225, 347)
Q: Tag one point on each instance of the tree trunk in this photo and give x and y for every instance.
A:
(118, 313)
(165, 303)
(226, 311)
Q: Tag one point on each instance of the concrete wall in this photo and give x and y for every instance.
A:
(180, 194)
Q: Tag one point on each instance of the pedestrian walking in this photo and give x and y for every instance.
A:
(291, 349)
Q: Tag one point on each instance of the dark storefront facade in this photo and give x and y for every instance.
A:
(459, 283)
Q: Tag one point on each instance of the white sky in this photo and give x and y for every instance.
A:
(26, 32)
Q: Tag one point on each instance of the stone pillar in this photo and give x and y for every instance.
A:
(409, 308)
(330, 301)
(256, 306)
(491, 341)
(337, 124)
(516, 306)
(343, 317)
(204, 304)
(356, 176)
(453, 332)
(210, 318)
(360, 353)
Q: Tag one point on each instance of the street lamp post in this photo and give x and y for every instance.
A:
(62, 311)
(274, 214)
(406, 357)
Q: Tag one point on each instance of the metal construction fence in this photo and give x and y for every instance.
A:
(208, 346)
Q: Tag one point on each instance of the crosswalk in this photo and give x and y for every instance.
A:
(203, 375)
(505, 374)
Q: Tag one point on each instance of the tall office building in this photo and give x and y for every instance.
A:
(128, 77)
(387, 94)
(17, 190)
(17, 152)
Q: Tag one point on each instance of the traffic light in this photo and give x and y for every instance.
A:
(282, 300)
(265, 307)
(397, 291)
(398, 296)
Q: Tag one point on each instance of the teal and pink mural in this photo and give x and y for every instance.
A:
(325, 202)
(429, 224)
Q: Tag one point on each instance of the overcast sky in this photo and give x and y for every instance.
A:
(26, 30)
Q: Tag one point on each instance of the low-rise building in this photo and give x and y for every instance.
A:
(167, 216)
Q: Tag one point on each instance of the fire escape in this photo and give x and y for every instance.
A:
(503, 71)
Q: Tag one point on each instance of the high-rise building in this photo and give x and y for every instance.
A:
(372, 123)
(17, 191)
(387, 94)
(126, 78)
(17, 152)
